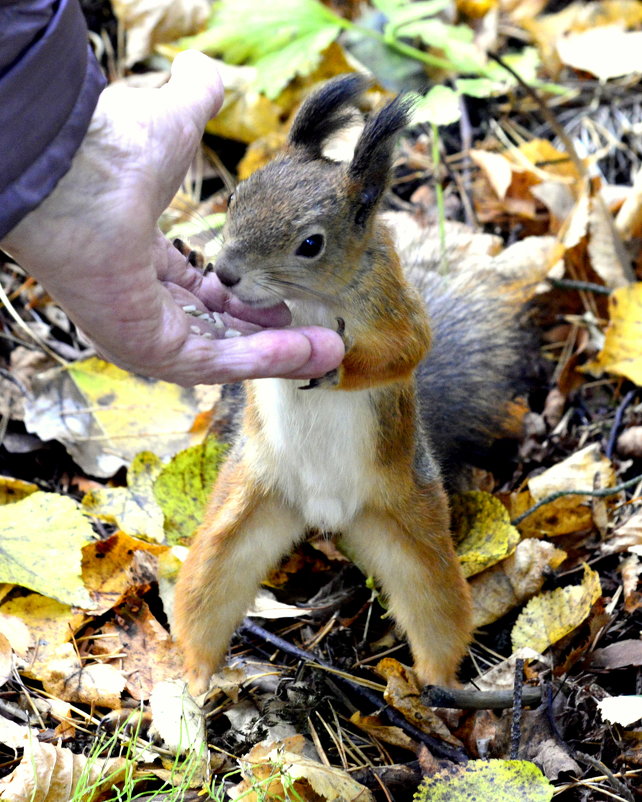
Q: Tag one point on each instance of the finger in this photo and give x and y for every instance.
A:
(195, 86)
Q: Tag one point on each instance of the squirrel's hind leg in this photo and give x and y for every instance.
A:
(412, 555)
(245, 533)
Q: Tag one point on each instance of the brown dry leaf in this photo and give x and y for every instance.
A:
(403, 694)
(15, 736)
(150, 22)
(631, 571)
(629, 443)
(622, 654)
(98, 684)
(17, 633)
(629, 219)
(383, 732)
(49, 622)
(624, 536)
(119, 565)
(148, 654)
(621, 353)
(49, 773)
(279, 764)
(501, 588)
(607, 51)
(581, 471)
(550, 616)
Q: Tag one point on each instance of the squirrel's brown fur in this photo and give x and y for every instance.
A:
(349, 453)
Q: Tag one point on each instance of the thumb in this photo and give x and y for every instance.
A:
(195, 86)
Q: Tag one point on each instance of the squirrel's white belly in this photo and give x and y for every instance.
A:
(318, 447)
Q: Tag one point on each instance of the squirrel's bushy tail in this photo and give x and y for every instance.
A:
(481, 361)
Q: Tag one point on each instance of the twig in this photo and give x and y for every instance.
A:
(393, 716)
(603, 493)
(617, 421)
(434, 696)
(516, 723)
(576, 284)
(613, 780)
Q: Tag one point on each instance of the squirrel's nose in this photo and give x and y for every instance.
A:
(227, 276)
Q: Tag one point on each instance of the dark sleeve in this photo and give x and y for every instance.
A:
(49, 86)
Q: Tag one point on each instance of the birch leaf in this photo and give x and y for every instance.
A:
(499, 780)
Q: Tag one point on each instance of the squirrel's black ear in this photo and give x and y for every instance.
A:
(370, 167)
(323, 113)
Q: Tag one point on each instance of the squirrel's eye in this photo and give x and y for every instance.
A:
(311, 246)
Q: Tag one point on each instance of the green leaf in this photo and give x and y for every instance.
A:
(499, 780)
(282, 38)
(41, 538)
(410, 12)
(440, 106)
(477, 87)
(185, 484)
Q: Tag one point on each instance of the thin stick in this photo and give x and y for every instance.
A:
(516, 723)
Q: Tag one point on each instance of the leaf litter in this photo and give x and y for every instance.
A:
(90, 553)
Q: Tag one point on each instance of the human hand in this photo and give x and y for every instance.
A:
(95, 245)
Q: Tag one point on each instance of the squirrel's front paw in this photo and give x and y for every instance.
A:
(331, 378)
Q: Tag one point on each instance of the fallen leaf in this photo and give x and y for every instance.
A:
(177, 719)
(266, 606)
(621, 654)
(117, 566)
(98, 684)
(404, 695)
(625, 536)
(49, 773)
(383, 732)
(6, 659)
(276, 766)
(104, 416)
(631, 570)
(15, 736)
(622, 710)
(148, 655)
(134, 508)
(621, 353)
(184, 485)
(50, 624)
(551, 615)
(499, 780)
(629, 443)
(41, 537)
(12, 490)
(584, 470)
(149, 22)
(607, 51)
(513, 581)
(482, 530)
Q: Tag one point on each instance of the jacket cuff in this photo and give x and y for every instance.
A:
(48, 97)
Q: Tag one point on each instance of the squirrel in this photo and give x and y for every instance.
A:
(358, 452)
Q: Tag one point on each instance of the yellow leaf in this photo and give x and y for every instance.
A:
(118, 565)
(383, 732)
(40, 542)
(483, 531)
(499, 780)
(554, 614)
(50, 773)
(134, 508)
(49, 622)
(184, 485)
(621, 353)
(514, 580)
(12, 490)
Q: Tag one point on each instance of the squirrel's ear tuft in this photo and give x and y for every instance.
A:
(323, 113)
(370, 167)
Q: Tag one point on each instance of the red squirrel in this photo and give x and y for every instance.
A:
(351, 453)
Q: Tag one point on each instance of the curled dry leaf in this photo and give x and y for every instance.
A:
(514, 580)
(624, 537)
(482, 530)
(49, 773)
(279, 765)
(403, 694)
(621, 654)
(383, 732)
(550, 616)
(587, 469)
(117, 566)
